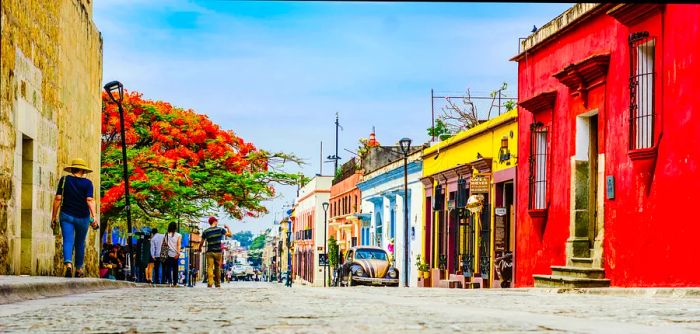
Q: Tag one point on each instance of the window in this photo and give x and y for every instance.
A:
(538, 166)
(439, 199)
(642, 48)
(462, 193)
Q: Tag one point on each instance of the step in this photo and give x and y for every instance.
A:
(578, 272)
(554, 281)
(582, 262)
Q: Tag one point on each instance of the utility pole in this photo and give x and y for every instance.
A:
(432, 112)
(337, 124)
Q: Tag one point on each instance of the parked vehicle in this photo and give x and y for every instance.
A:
(367, 265)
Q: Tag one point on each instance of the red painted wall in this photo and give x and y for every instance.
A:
(650, 226)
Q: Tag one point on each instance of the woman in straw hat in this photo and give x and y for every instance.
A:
(74, 199)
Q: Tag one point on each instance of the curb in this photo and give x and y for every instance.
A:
(14, 292)
(625, 292)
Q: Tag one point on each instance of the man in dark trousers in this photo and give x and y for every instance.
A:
(212, 239)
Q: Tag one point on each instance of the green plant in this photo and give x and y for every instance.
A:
(422, 266)
(510, 105)
(440, 130)
(333, 251)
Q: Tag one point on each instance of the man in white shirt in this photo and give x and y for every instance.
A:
(159, 267)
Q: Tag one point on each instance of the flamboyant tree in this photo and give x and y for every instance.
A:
(182, 165)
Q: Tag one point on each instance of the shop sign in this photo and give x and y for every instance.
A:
(501, 211)
(323, 259)
(479, 183)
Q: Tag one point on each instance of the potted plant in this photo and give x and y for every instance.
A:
(423, 268)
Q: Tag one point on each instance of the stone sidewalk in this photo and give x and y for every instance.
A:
(20, 288)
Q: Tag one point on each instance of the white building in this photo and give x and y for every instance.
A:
(383, 199)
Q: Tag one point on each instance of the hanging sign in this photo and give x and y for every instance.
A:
(479, 183)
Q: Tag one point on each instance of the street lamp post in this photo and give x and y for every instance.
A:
(405, 144)
(325, 242)
(111, 88)
(289, 256)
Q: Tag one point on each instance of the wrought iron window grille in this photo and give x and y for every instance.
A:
(642, 49)
(538, 160)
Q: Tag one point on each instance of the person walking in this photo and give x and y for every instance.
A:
(173, 240)
(145, 257)
(74, 200)
(212, 237)
(157, 263)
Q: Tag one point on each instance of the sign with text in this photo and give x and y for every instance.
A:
(323, 259)
(479, 183)
(501, 211)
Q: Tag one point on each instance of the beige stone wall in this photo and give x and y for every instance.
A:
(50, 75)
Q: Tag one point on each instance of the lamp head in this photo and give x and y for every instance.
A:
(115, 87)
(405, 144)
(325, 206)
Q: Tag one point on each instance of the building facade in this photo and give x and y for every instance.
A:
(309, 229)
(345, 223)
(382, 193)
(609, 151)
(476, 168)
(50, 109)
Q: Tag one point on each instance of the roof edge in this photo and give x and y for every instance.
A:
(569, 19)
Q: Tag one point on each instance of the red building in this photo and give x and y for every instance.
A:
(609, 148)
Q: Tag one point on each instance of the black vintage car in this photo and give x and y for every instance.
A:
(367, 265)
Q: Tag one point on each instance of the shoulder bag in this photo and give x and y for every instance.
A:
(164, 248)
(57, 226)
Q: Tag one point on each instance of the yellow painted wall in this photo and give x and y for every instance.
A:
(463, 147)
(484, 139)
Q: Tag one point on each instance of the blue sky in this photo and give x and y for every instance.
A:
(277, 72)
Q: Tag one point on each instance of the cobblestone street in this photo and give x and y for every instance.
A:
(272, 308)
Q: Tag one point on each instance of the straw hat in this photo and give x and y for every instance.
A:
(79, 164)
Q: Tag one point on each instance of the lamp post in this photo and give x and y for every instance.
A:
(325, 242)
(111, 88)
(405, 144)
(289, 256)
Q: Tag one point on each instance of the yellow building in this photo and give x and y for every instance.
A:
(284, 246)
(469, 220)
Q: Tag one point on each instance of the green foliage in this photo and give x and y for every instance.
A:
(333, 251)
(510, 105)
(256, 248)
(422, 266)
(440, 130)
(244, 237)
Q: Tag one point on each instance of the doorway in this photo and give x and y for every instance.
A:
(27, 200)
(584, 187)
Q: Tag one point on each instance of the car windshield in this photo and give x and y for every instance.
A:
(370, 254)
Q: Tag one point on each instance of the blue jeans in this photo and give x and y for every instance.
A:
(74, 232)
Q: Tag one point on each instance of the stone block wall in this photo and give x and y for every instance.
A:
(50, 75)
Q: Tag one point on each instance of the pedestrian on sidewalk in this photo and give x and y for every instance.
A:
(212, 237)
(157, 264)
(145, 258)
(74, 200)
(173, 240)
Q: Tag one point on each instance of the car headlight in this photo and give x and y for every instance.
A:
(393, 273)
(358, 271)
